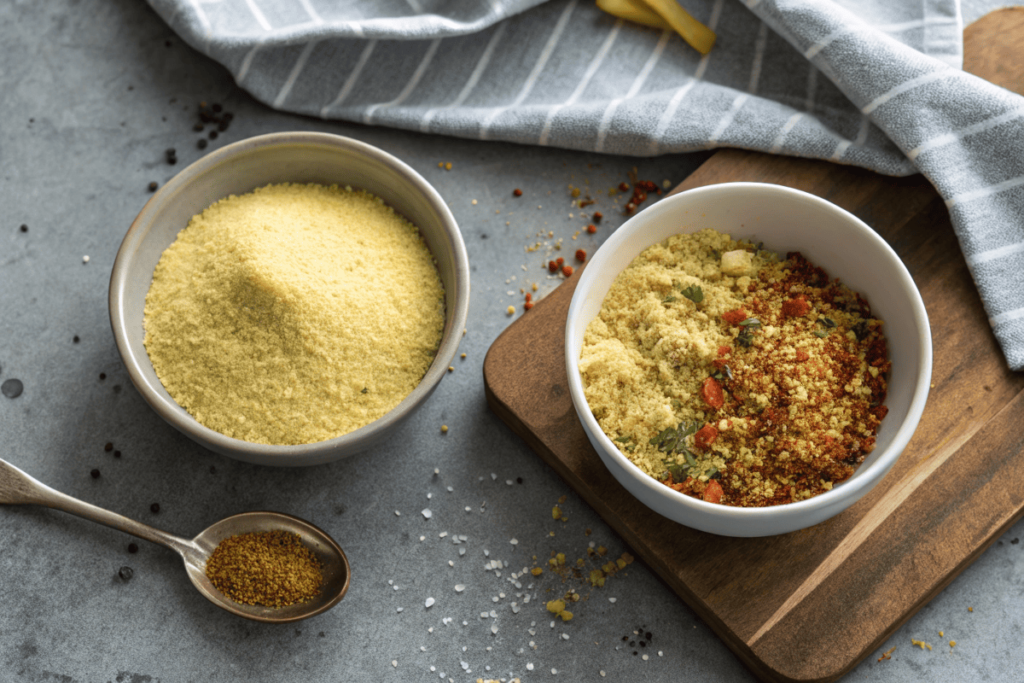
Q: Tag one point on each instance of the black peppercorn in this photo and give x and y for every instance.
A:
(198, 128)
(108, 447)
(117, 454)
(201, 144)
(95, 474)
(24, 228)
(126, 573)
(217, 108)
(75, 339)
(133, 548)
(152, 186)
(154, 508)
(519, 480)
(103, 376)
(213, 135)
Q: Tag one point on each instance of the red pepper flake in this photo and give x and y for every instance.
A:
(711, 392)
(528, 305)
(529, 297)
(567, 270)
(801, 355)
(581, 255)
(796, 307)
(517, 192)
(624, 186)
(705, 436)
(591, 228)
(630, 207)
(723, 350)
(597, 216)
(734, 317)
(559, 260)
(552, 266)
(713, 493)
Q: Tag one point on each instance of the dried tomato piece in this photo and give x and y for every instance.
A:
(704, 437)
(734, 317)
(796, 307)
(711, 392)
(723, 350)
(713, 493)
(801, 355)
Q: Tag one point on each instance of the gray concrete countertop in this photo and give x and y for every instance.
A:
(94, 91)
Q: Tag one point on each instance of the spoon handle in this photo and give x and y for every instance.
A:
(18, 488)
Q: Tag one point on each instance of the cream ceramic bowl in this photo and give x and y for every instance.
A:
(785, 220)
(240, 168)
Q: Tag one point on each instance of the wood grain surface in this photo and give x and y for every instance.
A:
(808, 606)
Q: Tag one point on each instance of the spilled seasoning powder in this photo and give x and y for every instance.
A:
(294, 314)
(271, 568)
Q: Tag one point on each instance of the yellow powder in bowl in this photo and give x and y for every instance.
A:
(294, 314)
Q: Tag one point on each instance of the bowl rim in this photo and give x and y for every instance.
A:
(850, 490)
(299, 454)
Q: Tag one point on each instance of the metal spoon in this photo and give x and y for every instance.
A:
(18, 488)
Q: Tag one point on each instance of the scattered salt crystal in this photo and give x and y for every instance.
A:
(515, 608)
(430, 630)
(422, 649)
(463, 537)
(508, 481)
(531, 631)
(462, 551)
(494, 599)
(602, 674)
(514, 541)
(494, 614)
(464, 648)
(529, 666)
(433, 668)
(400, 609)
(450, 489)
(459, 587)
(395, 587)
(465, 623)
(422, 538)
(394, 663)
(552, 624)
(526, 599)
(429, 496)
(554, 670)
(501, 595)
(469, 509)
(494, 629)
(450, 563)
(486, 553)
(442, 534)
(464, 665)
(611, 599)
(427, 514)
(493, 476)
(533, 645)
(397, 513)
(85, 259)
(429, 602)
(484, 615)
(391, 582)
(645, 658)
(565, 636)
(660, 653)
(437, 471)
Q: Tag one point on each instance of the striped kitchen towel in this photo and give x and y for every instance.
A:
(873, 83)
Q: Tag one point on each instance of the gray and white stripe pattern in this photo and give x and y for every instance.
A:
(871, 83)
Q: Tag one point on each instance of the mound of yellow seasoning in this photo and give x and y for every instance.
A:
(294, 314)
(272, 569)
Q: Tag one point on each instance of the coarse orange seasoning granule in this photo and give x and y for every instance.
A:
(765, 388)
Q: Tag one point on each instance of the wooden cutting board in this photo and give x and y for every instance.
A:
(808, 606)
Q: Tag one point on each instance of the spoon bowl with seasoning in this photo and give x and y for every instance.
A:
(18, 488)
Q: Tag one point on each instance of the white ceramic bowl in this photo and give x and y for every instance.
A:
(240, 168)
(785, 220)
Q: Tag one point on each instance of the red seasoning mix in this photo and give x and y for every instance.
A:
(733, 376)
